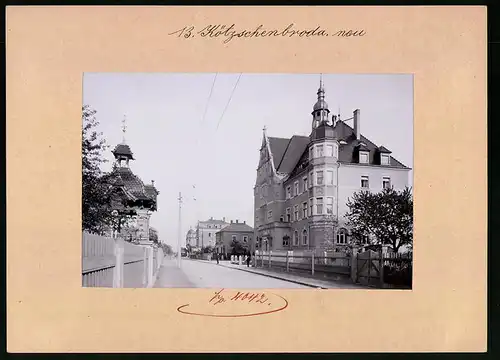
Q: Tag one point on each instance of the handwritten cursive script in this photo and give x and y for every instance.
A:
(260, 298)
(226, 303)
(230, 32)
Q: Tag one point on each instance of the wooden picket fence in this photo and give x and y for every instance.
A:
(304, 261)
(108, 262)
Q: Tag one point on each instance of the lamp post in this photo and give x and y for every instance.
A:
(117, 222)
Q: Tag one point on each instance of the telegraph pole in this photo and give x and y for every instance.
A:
(180, 232)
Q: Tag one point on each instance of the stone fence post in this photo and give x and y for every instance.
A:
(240, 258)
(354, 265)
(119, 260)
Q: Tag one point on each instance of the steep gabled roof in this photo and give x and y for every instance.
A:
(347, 151)
(287, 152)
(278, 147)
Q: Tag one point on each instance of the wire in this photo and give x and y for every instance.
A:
(229, 100)
(208, 100)
(206, 107)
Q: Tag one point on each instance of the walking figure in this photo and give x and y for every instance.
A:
(217, 257)
(248, 260)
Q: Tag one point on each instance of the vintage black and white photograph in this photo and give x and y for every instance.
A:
(247, 180)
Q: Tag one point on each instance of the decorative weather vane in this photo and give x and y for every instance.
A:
(124, 126)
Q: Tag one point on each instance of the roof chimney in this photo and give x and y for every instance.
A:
(153, 182)
(224, 219)
(244, 222)
(236, 221)
(231, 221)
(211, 217)
(356, 124)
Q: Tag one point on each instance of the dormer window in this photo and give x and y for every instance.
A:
(363, 157)
(384, 159)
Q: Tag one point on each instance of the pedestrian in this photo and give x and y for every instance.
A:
(217, 257)
(248, 260)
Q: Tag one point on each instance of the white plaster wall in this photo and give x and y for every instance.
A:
(350, 182)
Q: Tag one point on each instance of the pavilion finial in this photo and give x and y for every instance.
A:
(124, 127)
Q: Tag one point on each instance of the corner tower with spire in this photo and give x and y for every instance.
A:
(320, 111)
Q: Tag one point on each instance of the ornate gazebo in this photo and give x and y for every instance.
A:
(129, 196)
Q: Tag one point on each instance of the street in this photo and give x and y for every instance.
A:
(198, 274)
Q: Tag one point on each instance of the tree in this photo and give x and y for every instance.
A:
(207, 249)
(167, 249)
(237, 248)
(387, 216)
(95, 206)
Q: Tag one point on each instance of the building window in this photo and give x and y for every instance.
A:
(286, 240)
(311, 179)
(311, 207)
(269, 214)
(288, 192)
(245, 239)
(305, 184)
(386, 182)
(319, 150)
(319, 206)
(365, 240)
(329, 150)
(233, 238)
(304, 237)
(262, 192)
(209, 234)
(329, 206)
(336, 150)
(364, 182)
(281, 219)
(363, 157)
(296, 212)
(384, 159)
(319, 177)
(341, 237)
(296, 188)
(311, 152)
(329, 177)
(288, 214)
(304, 210)
(295, 238)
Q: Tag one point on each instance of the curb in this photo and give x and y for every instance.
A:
(269, 275)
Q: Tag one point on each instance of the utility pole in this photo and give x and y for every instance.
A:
(180, 233)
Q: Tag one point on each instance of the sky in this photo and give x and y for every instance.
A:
(200, 133)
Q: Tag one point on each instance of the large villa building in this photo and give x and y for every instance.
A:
(303, 183)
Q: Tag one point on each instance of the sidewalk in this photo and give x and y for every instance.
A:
(291, 277)
(170, 276)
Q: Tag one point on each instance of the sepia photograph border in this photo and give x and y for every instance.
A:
(49, 49)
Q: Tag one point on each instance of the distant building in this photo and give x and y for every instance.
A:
(303, 183)
(191, 238)
(235, 231)
(205, 231)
